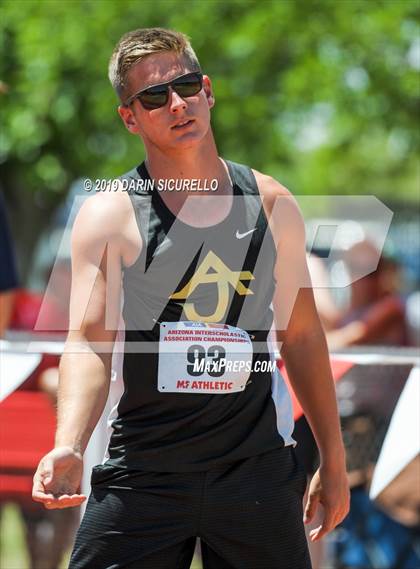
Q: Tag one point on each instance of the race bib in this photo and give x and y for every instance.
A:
(197, 357)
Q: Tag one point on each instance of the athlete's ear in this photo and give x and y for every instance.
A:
(129, 119)
(208, 91)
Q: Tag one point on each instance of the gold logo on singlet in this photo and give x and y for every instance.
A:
(213, 271)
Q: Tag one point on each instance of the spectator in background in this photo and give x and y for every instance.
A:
(8, 273)
(376, 313)
(375, 316)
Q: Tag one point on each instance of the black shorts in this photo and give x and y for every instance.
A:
(248, 515)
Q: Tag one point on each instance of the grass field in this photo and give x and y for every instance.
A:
(13, 553)
(12, 542)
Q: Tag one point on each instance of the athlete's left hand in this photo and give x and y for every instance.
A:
(329, 487)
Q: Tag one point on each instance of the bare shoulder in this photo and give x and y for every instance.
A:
(269, 187)
(103, 216)
(281, 207)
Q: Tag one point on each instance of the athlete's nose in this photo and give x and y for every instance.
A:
(176, 101)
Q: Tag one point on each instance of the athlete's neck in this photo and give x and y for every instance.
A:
(200, 162)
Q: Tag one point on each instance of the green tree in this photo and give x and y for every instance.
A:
(321, 94)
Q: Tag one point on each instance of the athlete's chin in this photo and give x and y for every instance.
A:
(187, 140)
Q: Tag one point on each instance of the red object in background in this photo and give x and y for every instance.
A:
(27, 417)
(26, 309)
(27, 305)
(27, 426)
(338, 367)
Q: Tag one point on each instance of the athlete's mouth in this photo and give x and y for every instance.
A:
(183, 124)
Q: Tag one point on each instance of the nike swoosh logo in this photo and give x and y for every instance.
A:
(242, 235)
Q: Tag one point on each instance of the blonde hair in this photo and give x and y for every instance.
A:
(135, 45)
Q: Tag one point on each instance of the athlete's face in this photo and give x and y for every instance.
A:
(160, 127)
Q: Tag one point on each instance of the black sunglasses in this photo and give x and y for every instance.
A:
(157, 96)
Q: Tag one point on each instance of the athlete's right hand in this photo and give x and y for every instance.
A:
(57, 479)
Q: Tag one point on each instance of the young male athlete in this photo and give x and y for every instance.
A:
(196, 450)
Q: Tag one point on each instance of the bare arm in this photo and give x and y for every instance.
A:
(304, 349)
(311, 375)
(85, 369)
(85, 366)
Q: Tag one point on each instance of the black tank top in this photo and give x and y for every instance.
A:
(221, 274)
